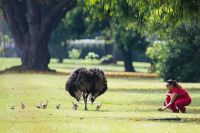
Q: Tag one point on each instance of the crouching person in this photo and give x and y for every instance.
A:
(176, 98)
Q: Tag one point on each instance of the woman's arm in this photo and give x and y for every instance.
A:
(173, 98)
(168, 93)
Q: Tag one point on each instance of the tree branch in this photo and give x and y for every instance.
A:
(56, 14)
(9, 15)
(63, 6)
(20, 17)
(34, 11)
(34, 20)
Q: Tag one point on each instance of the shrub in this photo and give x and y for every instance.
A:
(91, 56)
(179, 58)
(74, 53)
(108, 59)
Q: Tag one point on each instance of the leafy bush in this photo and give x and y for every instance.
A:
(108, 59)
(179, 58)
(157, 53)
(1, 50)
(91, 56)
(74, 53)
(86, 48)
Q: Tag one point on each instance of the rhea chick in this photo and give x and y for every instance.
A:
(22, 105)
(98, 107)
(13, 107)
(39, 106)
(75, 106)
(44, 106)
(58, 106)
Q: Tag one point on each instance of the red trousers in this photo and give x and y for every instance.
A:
(179, 104)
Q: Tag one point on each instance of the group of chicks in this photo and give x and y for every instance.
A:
(44, 106)
(22, 106)
(75, 106)
(39, 106)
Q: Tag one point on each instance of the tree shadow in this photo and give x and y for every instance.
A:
(150, 90)
(21, 69)
(139, 90)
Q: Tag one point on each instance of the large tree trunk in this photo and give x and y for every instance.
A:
(127, 57)
(34, 55)
(31, 23)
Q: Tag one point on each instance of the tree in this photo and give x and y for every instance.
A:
(57, 43)
(178, 57)
(31, 23)
(147, 10)
(72, 26)
(77, 24)
(147, 16)
(127, 41)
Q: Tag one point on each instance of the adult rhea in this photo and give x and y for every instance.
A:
(84, 82)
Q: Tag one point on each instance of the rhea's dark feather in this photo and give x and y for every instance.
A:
(100, 82)
(83, 82)
(71, 82)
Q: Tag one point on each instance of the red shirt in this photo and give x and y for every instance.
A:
(182, 92)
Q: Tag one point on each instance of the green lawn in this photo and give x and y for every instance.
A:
(68, 65)
(125, 106)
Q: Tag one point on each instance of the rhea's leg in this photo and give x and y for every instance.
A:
(85, 95)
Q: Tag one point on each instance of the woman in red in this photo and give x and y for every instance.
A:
(177, 97)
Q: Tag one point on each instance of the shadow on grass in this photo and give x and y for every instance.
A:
(138, 90)
(149, 90)
(142, 119)
(102, 110)
(21, 69)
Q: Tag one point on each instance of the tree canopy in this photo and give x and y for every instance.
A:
(151, 13)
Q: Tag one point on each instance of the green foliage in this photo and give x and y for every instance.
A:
(126, 12)
(91, 56)
(74, 23)
(146, 15)
(71, 27)
(157, 53)
(129, 39)
(77, 24)
(74, 53)
(57, 44)
(86, 48)
(107, 57)
(1, 51)
(179, 58)
(157, 8)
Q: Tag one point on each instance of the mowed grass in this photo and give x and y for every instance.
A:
(125, 107)
(69, 65)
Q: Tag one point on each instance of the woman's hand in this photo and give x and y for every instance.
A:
(161, 109)
(173, 98)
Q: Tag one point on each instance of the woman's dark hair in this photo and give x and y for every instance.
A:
(173, 83)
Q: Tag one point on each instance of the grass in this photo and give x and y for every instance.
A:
(68, 65)
(125, 106)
